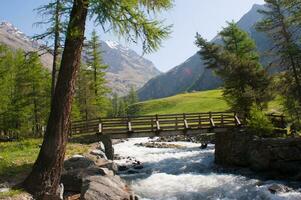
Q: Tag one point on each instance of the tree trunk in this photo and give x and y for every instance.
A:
(56, 47)
(44, 179)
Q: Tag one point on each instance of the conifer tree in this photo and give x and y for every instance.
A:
(132, 96)
(237, 63)
(54, 12)
(280, 22)
(24, 93)
(97, 72)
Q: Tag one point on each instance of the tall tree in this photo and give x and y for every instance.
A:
(54, 12)
(237, 63)
(132, 96)
(130, 18)
(97, 70)
(279, 23)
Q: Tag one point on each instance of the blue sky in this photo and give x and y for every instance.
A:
(187, 16)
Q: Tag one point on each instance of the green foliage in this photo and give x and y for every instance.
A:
(24, 93)
(282, 22)
(239, 42)
(91, 95)
(132, 19)
(258, 123)
(237, 63)
(122, 106)
(53, 14)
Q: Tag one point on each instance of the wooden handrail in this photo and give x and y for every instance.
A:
(158, 123)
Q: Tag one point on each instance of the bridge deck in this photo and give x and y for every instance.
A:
(158, 125)
(164, 125)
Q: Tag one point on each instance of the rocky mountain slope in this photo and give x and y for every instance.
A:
(126, 67)
(193, 74)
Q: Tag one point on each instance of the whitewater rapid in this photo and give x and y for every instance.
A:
(189, 173)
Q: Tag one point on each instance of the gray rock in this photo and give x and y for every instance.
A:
(78, 162)
(73, 179)
(277, 188)
(104, 188)
(98, 152)
(4, 190)
(111, 166)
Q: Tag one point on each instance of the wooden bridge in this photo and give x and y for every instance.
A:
(158, 125)
(161, 125)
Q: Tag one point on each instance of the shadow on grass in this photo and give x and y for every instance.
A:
(14, 174)
(84, 138)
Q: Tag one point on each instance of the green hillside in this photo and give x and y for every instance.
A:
(205, 101)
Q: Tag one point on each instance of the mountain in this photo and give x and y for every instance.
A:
(15, 39)
(193, 74)
(126, 68)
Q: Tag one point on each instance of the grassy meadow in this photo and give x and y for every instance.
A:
(17, 158)
(205, 101)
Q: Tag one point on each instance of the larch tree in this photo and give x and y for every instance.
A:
(97, 71)
(237, 63)
(54, 12)
(130, 18)
(280, 22)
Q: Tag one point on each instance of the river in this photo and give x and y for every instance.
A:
(189, 173)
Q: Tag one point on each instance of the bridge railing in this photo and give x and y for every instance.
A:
(156, 123)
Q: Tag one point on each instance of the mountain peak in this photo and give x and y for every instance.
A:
(11, 29)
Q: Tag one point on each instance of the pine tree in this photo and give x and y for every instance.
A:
(132, 19)
(280, 24)
(94, 61)
(237, 63)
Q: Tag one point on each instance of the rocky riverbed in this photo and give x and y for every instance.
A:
(189, 173)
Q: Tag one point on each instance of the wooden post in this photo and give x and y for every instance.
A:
(157, 124)
(152, 124)
(185, 122)
(129, 124)
(211, 120)
(176, 122)
(236, 119)
(200, 122)
(100, 126)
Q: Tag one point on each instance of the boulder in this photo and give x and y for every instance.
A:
(111, 166)
(278, 188)
(78, 162)
(98, 152)
(104, 188)
(73, 179)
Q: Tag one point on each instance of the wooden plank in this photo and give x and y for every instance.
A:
(186, 124)
(237, 121)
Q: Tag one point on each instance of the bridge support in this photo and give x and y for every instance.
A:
(107, 142)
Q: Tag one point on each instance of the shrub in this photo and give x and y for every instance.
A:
(259, 124)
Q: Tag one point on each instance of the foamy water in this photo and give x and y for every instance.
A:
(187, 174)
